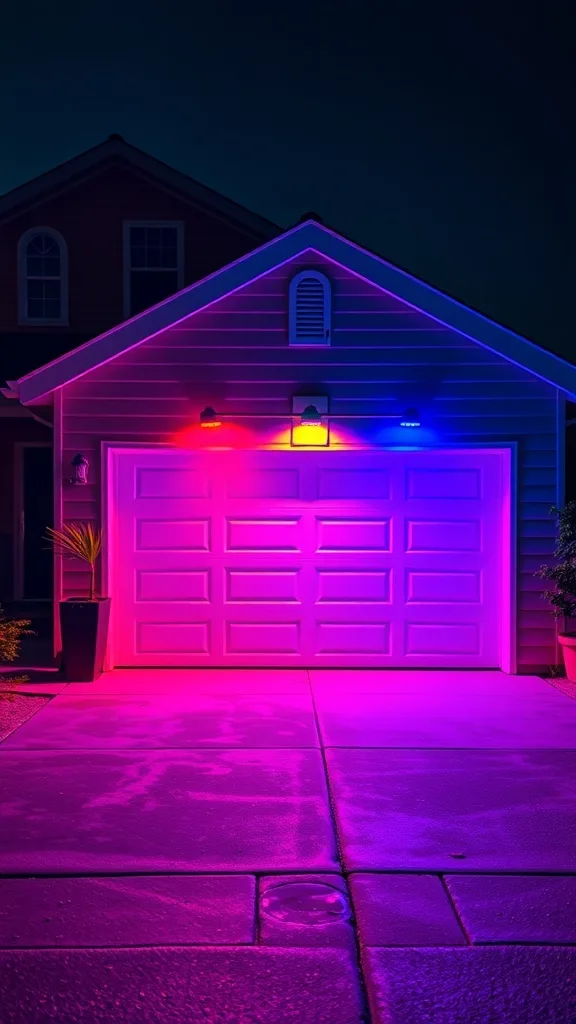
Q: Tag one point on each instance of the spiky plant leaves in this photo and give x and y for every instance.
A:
(80, 540)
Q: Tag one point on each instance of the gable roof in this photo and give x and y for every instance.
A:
(115, 150)
(308, 235)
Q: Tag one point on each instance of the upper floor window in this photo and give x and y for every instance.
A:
(43, 277)
(309, 309)
(153, 263)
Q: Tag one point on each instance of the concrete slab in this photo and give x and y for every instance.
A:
(516, 908)
(110, 721)
(199, 680)
(145, 910)
(508, 985)
(424, 681)
(454, 810)
(181, 811)
(249, 985)
(304, 910)
(475, 721)
(404, 910)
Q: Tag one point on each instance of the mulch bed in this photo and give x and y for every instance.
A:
(17, 705)
(562, 684)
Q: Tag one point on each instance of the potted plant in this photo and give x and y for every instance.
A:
(563, 575)
(83, 621)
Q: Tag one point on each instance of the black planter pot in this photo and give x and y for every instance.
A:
(84, 626)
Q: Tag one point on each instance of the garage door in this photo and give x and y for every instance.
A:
(383, 558)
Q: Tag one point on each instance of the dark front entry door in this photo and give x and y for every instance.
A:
(37, 514)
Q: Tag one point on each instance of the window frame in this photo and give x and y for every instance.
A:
(23, 242)
(311, 342)
(127, 226)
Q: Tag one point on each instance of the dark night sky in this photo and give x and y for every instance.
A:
(439, 139)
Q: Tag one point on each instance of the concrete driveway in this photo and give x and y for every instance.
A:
(268, 847)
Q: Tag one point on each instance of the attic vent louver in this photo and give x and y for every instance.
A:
(309, 309)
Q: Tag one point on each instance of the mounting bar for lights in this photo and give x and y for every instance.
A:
(297, 415)
(363, 415)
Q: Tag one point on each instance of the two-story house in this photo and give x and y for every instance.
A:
(84, 247)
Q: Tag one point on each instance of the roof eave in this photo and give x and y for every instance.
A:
(307, 236)
(79, 166)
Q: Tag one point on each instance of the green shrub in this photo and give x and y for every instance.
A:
(11, 633)
(563, 572)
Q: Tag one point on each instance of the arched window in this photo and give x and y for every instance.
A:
(309, 309)
(43, 277)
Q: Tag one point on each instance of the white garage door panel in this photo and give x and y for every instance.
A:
(307, 558)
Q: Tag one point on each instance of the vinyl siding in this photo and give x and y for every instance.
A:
(384, 356)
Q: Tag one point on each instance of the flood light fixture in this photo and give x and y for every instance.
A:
(411, 418)
(310, 417)
(209, 417)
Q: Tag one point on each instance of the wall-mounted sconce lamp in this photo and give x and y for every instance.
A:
(79, 469)
(209, 418)
(411, 418)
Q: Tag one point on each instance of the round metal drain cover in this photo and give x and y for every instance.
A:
(305, 903)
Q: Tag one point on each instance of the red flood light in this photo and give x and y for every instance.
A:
(209, 418)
